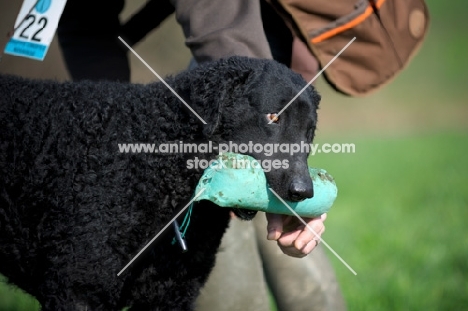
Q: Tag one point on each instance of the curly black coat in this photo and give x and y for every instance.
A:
(74, 210)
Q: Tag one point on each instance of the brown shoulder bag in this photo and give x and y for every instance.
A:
(388, 34)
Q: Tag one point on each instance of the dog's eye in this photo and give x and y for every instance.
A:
(273, 117)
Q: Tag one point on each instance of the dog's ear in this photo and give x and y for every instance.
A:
(220, 87)
(230, 91)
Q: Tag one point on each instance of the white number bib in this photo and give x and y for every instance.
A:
(35, 28)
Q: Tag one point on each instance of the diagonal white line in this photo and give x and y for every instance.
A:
(162, 230)
(314, 78)
(162, 80)
(315, 233)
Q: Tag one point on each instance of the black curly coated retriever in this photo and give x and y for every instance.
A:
(74, 211)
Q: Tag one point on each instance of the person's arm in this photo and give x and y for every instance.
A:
(222, 28)
(145, 20)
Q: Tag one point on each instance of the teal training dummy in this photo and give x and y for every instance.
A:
(240, 182)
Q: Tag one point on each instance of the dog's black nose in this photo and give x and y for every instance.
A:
(299, 191)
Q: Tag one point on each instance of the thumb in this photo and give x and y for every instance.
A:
(275, 226)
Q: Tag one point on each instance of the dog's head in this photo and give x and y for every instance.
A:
(253, 105)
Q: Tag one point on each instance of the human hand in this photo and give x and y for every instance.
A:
(293, 238)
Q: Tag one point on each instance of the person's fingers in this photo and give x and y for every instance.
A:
(323, 216)
(299, 235)
(307, 235)
(309, 247)
(287, 243)
(297, 240)
(287, 239)
(274, 226)
(289, 223)
(291, 251)
(312, 244)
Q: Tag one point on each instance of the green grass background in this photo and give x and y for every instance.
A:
(400, 222)
(401, 216)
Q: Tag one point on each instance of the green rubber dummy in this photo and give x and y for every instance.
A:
(235, 180)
